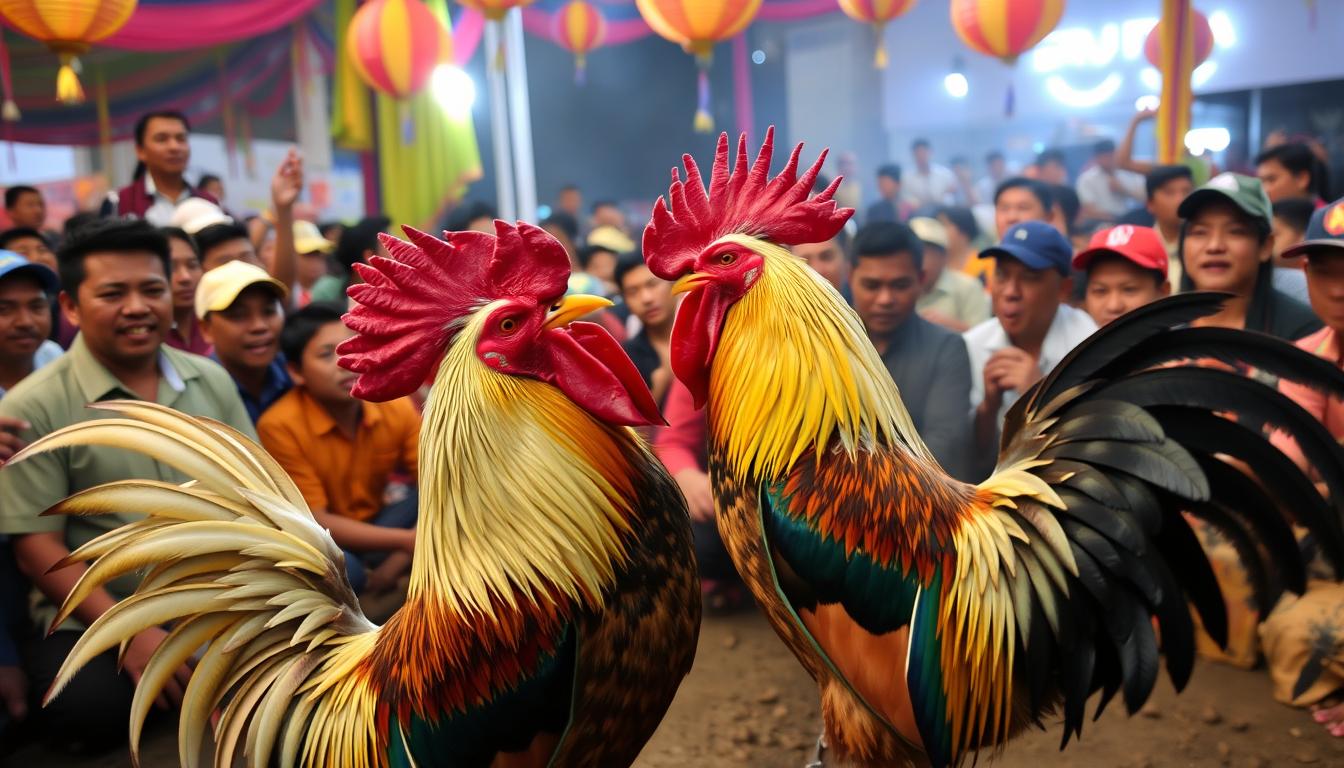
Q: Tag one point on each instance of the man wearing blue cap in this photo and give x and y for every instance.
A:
(1032, 328)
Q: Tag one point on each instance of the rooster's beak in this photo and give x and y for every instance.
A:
(571, 308)
(688, 283)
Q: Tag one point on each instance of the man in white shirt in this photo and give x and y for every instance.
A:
(1106, 190)
(1031, 331)
(928, 183)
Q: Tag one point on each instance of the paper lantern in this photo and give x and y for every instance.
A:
(696, 26)
(68, 28)
(877, 13)
(495, 10)
(1152, 47)
(1004, 29)
(395, 45)
(579, 28)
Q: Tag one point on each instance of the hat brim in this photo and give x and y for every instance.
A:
(43, 274)
(1205, 195)
(226, 296)
(314, 245)
(1083, 259)
(1024, 255)
(1308, 247)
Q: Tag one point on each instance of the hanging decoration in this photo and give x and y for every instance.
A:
(579, 28)
(696, 26)
(1152, 46)
(877, 13)
(68, 28)
(1176, 63)
(395, 45)
(1005, 29)
(9, 112)
(495, 10)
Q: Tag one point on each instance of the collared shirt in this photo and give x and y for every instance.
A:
(55, 397)
(936, 187)
(161, 210)
(1327, 410)
(1069, 328)
(48, 352)
(959, 296)
(196, 345)
(933, 373)
(343, 476)
(1094, 189)
(273, 387)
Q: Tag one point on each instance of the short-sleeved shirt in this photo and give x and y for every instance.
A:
(343, 476)
(959, 296)
(48, 352)
(274, 387)
(55, 397)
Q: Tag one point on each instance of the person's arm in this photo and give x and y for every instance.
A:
(947, 428)
(286, 186)
(359, 536)
(680, 445)
(1124, 154)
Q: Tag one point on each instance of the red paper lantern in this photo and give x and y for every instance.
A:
(579, 28)
(396, 44)
(1004, 29)
(67, 27)
(1152, 47)
(876, 13)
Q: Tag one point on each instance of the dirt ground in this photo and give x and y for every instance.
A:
(747, 703)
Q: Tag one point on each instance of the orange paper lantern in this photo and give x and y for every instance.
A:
(495, 10)
(1004, 29)
(68, 28)
(395, 45)
(696, 26)
(1152, 46)
(876, 13)
(579, 28)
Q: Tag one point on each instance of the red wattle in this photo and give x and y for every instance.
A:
(695, 337)
(589, 366)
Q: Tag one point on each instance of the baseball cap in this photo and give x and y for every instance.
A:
(611, 239)
(308, 238)
(1141, 245)
(930, 231)
(1036, 244)
(195, 214)
(12, 263)
(220, 287)
(1245, 192)
(1325, 232)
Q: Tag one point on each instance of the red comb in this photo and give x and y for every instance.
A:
(411, 305)
(745, 202)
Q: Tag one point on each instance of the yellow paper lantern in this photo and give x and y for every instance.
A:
(877, 13)
(68, 28)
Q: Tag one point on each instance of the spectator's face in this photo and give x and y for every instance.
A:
(570, 201)
(1105, 161)
(239, 249)
(1223, 249)
(186, 273)
(609, 216)
(888, 187)
(922, 155)
(602, 265)
(826, 258)
(318, 372)
(214, 188)
(312, 266)
(25, 318)
(1025, 300)
(30, 210)
(1116, 286)
(1286, 236)
(1166, 200)
(1016, 205)
(1280, 183)
(124, 307)
(885, 290)
(1325, 288)
(649, 297)
(34, 249)
(1052, 172)
(166, 150)
(935, 261)
(247, 333)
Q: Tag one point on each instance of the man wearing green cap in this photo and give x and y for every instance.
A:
(1226, 245)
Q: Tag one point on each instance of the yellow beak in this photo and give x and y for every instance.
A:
(688, 283)
(571, 308)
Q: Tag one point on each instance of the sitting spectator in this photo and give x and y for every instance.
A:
(1167, 186)
(948, 298)
(1021, 199)
(1051, 168)
(240, 311)
(1292, 216)
(1064, 208)
(30, 244)
(25, 207)
(828, 259)
(928, 363)
(1227, 246)
(213, 186)
(220, 243)
(314, 268)
(1289, 170)
(341, 452)
(891, 207)
(331, 230)
(1031, 331)
(962, 231)
(606, 213)
(598, 257)
(115, 275)
(1104, 189)
(1124, 268)
(357, 245)
(186, 273)
(650, 299)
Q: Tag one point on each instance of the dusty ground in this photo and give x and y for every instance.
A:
(748, 704)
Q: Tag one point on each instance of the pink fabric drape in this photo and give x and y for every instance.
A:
(742, 98)
(200, 25)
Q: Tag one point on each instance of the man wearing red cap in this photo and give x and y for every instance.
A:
(1126, 267)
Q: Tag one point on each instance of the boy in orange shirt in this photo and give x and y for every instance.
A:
(341, 451)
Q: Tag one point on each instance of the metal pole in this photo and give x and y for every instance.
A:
(1254, 126)
(499, 125)
(520, 116)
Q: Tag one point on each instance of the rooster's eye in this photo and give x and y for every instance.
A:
(508, 325)
(727, 257)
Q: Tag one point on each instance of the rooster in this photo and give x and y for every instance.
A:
(553, 607)
(940, 618)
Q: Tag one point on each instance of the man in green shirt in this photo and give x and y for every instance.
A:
(116, 290)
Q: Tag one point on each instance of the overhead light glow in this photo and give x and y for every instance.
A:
(956, 85)
(1065, 93)
(758, 56)
(1201, 140)
(1145, 103)
(1202, 73)
(1224, 34)
(453, 89)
